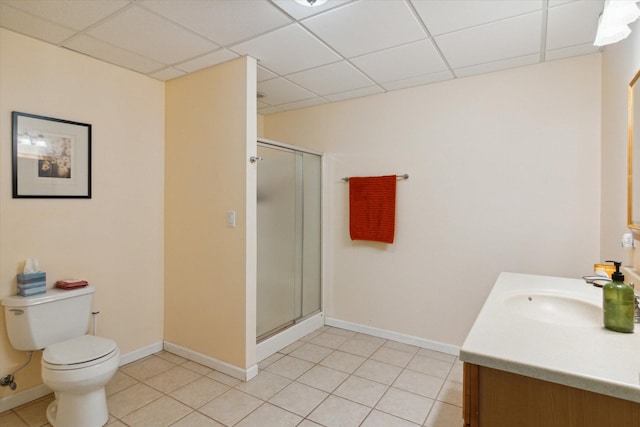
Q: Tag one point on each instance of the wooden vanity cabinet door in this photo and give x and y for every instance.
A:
(470, 397)
(494, 398)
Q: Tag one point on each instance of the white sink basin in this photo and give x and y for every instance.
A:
(559, 309)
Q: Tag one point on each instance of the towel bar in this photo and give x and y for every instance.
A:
(404, 176)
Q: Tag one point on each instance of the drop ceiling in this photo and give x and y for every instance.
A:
(308, 56)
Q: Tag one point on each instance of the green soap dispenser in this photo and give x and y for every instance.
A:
(618, 302)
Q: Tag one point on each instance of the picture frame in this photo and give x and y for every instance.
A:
(51, 157)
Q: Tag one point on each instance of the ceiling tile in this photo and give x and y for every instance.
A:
(497, 65)
(445, 16)
(419, 80)
(402, 62)
(74, 14)
(332, 78)
(303, 104)
(563, 29)
(366, 26)
(32, 26)
(264, 74)
(115, 55)
(500, 40)
(208, 60)
(270, 110)
(222, 21)
(358, 93)
(566, 52)
(150, 35)
(281, 91)
(287, 50)
(299, 11)
(167, 74)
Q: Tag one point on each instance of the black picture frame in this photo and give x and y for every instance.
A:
(51, 157)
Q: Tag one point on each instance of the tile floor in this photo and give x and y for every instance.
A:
(331, 378)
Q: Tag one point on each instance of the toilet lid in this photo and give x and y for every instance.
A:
(78, 350)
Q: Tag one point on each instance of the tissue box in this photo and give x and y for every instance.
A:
(32, 284)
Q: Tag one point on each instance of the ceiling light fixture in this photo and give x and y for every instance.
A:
(311, 3)
(614, 21)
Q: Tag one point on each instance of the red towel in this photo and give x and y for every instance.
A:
(372, 208)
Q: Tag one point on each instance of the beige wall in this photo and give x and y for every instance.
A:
(620, 62)
(504, 176)
(209, 266)
(115, 239)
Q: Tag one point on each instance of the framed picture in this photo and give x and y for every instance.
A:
(51, 157)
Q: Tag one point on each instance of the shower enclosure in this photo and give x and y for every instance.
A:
(289, 237)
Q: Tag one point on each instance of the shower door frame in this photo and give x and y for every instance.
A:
(304, 324)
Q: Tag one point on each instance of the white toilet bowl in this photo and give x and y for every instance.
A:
(77, 370)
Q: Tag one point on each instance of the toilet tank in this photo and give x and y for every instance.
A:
(36, 321)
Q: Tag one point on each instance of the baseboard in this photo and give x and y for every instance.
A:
(140, 353)
(395, 336)
(213, 363)
(20, 398)
(277, 342)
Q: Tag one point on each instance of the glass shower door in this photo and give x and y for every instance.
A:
(278, 225)
(289, 238)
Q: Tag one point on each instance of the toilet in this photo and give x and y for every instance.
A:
(76, 366)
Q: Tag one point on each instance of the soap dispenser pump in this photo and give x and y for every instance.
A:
(618, 302)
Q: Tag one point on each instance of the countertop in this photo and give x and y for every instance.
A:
(583, 355)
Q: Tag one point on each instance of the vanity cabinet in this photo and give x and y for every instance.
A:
(495, 398)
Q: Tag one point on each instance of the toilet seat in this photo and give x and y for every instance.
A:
(79, 352)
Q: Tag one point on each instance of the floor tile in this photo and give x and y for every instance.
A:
(170, 357)
(361, 390)
(269, 360)
(380, 419)
(270, 416)
(147, 368)
(127, 401)
(311, 352)
(343, 361)
(451, 392)
(419, 383)
(392, 357)
(329, 340)
(231, 407)
(34, 414)
(406, 405)
(360, 346)
(339, 331)
(338, 412)
(10, 419)
(404, 384)
(429, 365)
(119, 382)
(299, 398)
(199, 392)
(407, 348)
(170, 380)
(264, 385)
(196, 367)
(290, 367)
(224, 378)
(436, 355)
(323, 378)
(378, 371)
(456, 373)
(444, 415)
(196, 419)
(162, 412)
